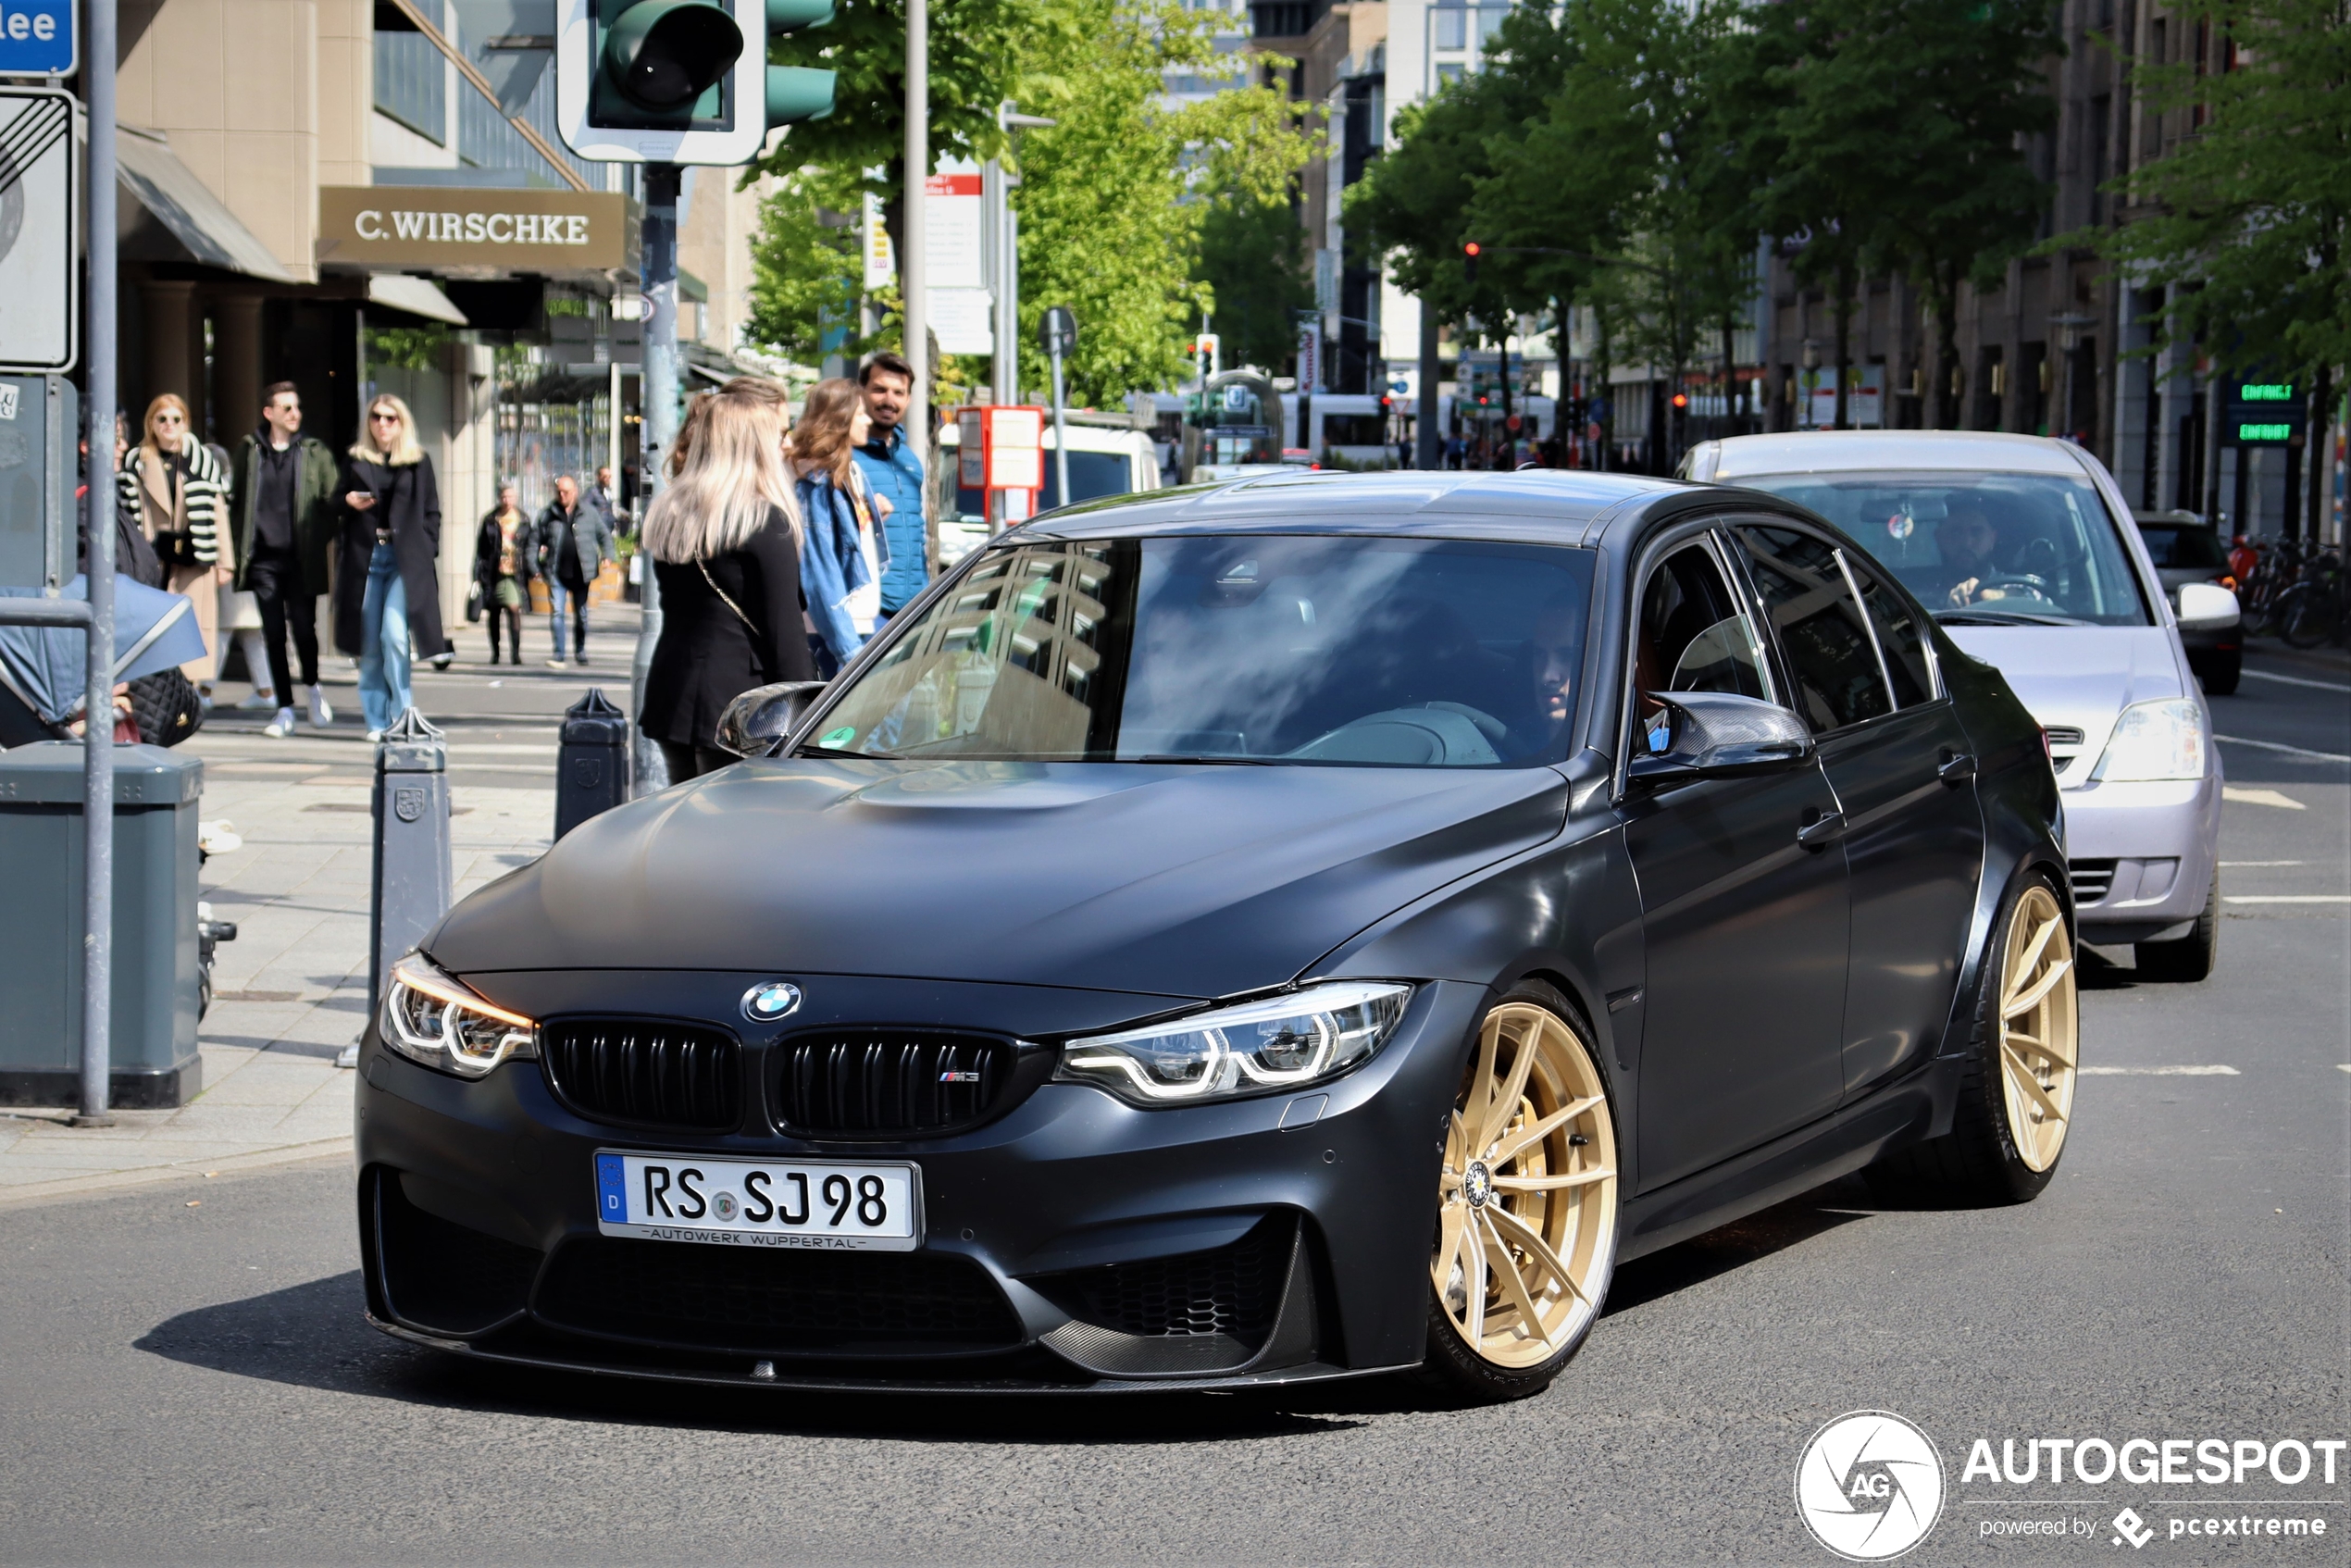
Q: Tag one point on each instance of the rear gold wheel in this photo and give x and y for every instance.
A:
(2038, 1022)
(1527, 1201)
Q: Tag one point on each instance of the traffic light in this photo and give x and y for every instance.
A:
(1471, 251)
(683, 80)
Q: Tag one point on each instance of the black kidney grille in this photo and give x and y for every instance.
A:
(1234, 1289)
(643, 1070)
(778, 1299)
(883, 1083)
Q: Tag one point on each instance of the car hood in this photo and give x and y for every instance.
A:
(1195, 881)
(2078, 677)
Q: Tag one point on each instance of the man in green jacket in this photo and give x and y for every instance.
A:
(282, 514)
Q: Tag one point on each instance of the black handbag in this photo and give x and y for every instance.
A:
(166, 707)
(473, 603)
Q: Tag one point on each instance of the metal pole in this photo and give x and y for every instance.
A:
(1426, 450)
(659, 386)
(1061, 431)
(914, 282)
(97, 745)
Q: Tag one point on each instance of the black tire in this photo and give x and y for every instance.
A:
(1977, 1162)
(1451, 1371)
(2219, 674)
(2186, 960)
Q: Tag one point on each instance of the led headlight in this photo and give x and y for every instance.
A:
(2151, 740)
(1278, 1043)
(435, 1018)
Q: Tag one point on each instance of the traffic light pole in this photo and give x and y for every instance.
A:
(97, 729)
(651, 770)
(913, 283)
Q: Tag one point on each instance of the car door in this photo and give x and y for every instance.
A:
(1743, 926)
(1892, 747)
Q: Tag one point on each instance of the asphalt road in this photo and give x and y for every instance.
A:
(186, 1379)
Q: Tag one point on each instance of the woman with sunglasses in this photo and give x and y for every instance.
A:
(177, 491)
(388, 593)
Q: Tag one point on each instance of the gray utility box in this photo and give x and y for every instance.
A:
(152, 1055)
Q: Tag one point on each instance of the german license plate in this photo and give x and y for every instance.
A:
(824, 1204)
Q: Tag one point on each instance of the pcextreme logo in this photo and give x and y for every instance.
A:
(1869, 1486)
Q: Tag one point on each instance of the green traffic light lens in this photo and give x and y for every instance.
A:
(797, 92)
(665, 54)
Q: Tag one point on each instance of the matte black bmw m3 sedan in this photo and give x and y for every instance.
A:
(1299, 928)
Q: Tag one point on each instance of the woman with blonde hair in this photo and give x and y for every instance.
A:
(179, 493)
(388, 591)
(725, 538)
(845, 555)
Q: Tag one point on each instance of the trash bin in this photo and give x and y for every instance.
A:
(153, 1053)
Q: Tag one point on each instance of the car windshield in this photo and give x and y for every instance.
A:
(1328, 651)
(2186, 546)
(2032, 548)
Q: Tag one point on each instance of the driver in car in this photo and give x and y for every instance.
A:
(1554, 654)
(1965, 543)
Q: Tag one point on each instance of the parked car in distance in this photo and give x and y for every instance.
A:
(1306, 928)
(2017, 547)
(2186, 549)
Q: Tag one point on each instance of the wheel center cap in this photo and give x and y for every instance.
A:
(1477, 1184)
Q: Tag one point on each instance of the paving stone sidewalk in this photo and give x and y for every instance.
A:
(291, 991)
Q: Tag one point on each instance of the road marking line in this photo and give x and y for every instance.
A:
(2227, 863)
(2262, 798)
(2289, 750)
(2285, 898)
(2344, 1066)
(2211, 1072)
(2295, 680)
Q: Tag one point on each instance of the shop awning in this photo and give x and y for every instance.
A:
(183, 205)
(418, 296)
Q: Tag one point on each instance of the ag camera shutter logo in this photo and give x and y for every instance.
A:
(1869, 1486)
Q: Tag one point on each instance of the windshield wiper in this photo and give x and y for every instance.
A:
(814, 749)
(1974, 615)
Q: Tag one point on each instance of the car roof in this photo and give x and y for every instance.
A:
(1803, 451)
(1545, 505)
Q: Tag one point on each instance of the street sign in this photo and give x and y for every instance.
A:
(2258, 413)
(40, 285)
(38, 38)
(1057, 333)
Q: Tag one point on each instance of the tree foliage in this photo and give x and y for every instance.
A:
(1252, 259)
(807, 270)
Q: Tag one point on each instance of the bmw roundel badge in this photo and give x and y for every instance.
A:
(769, 1000)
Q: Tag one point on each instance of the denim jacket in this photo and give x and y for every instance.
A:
(893, 469)
(831, 566)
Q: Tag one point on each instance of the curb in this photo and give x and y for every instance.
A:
(179, 1170)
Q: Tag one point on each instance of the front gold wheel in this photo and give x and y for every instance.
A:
(1527, 1222)
(2038, 1024)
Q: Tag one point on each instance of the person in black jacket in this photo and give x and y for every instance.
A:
(387, 592)
(501, 570)
(724, 536)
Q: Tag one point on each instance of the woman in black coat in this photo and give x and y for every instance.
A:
(388, 591)
(724, 536)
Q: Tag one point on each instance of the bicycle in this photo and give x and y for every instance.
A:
(2313, 611)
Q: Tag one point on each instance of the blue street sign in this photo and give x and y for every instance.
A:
(38, 38)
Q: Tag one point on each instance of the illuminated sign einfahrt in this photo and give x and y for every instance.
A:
(453, 227)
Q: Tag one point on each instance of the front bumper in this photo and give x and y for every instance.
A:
(1071, 1244)
(2141, 856)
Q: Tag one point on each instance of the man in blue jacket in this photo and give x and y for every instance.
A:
(894, 468)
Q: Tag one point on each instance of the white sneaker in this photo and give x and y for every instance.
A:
(374, 736)
(321, 715)
(262, 698)
(554, 664)
(282, 726)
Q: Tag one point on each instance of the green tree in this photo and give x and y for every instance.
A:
(807, 270)
(2250, 212)
(1252, 259)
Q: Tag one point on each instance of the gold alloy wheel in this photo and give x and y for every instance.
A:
(2039, 1021)
(1526, 1228)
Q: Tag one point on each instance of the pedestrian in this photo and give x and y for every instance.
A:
(388, 593)
(502, 570)
(179, 493)
(571, 544)
(894, 470)
(605, 497)
(725, 538)
(838, 568)
(282, 521)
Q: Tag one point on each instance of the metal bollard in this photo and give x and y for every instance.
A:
(411, 809)
(592, 770)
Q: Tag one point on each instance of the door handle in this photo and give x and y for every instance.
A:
(1822, 830)
(1957, 769)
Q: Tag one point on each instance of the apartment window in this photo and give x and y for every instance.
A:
(412, 79)
(1451, 27)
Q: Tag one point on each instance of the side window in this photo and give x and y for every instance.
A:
(1827, 642)
(1693, 636)
(1897, 638)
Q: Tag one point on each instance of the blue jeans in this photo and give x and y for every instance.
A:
(561, 598)
(384, 654)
